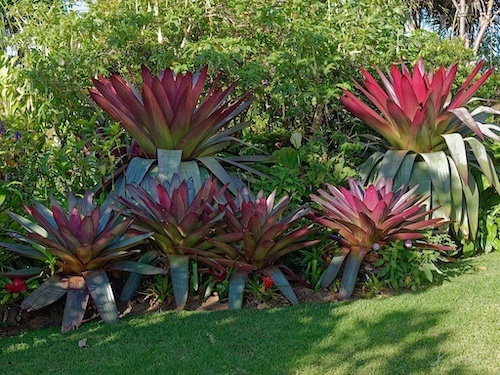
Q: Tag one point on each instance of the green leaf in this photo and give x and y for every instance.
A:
(24, 272)
(350, 275)
(169, 162)
(136, 267)
(134, 280)
(191, 169)
(367, 169)
(471, 193)
(179, 271)
(24, 250)
(405, 171)
(391, 163)
(222, 175)
(457, 196)
(76, 303)
(282, 283)
(458, 153)
(100, 290)
(136, 171)
(29, 225)
(333, 268)
(439, 171)
(484, 161)
(237, 282)
(47, 293)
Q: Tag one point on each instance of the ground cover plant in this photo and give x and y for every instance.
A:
(435, 331)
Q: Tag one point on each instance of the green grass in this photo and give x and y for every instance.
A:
(449, 329)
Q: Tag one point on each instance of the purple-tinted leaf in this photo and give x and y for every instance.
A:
(70, 240)
(48, 292)
(86, 231)
(180, 202)
(371, 198)
(249, 243)
(157, 125)
(102, 295)
(24, 250)
(189, 223)
(163, 101)
(76, 303)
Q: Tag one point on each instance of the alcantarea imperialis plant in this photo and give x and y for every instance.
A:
(178, 217)
(252, 238)
(430, 138)
(84, 242)
(368, 218)
(170, 113)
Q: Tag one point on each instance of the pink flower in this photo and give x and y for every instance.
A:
(17, 286)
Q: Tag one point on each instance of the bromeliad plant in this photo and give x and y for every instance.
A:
(84, 242)
(254, 236)
(178, 217)
(431, 139)
(170, 113)
(369, 218)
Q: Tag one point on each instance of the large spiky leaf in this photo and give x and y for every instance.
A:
(170, 113)
(76, 303)
(179, 271)
(137, 267)
(237, 282)
(50, 291)
(100, 290)
(134, 280)
(350, 274)
(23, 272)
(334, 267)
(282, 283)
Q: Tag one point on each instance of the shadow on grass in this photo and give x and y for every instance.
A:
(308, 339)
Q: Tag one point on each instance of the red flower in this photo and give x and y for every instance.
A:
(268, 282)
(17, 286)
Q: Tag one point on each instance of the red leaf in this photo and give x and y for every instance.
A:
(371, 198)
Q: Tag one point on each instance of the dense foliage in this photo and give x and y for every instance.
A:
(293, 59)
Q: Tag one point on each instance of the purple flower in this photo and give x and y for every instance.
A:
(17, 136)
(408, 244)
(376, 246)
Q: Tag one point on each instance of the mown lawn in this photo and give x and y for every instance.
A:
(450, 329)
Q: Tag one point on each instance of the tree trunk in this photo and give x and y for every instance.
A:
(486, 19)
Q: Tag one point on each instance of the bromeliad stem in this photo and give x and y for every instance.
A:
(350, 275)
(179, 271)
